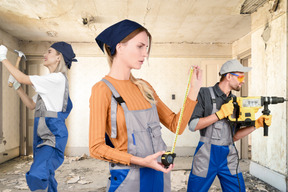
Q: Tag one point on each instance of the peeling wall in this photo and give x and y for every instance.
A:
(269, 78)
(10, 105)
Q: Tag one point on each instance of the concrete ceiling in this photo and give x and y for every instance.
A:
(169, 21)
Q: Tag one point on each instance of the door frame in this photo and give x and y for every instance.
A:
(245, 142)
(1, 107)
(27, 121)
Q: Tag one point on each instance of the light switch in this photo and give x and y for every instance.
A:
(173, 96)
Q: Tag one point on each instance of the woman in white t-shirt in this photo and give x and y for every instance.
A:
(52, 106)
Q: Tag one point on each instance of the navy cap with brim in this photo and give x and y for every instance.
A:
(116, 33)
(67, 52)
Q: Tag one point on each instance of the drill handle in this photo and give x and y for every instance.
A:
(266, 101)
(265, 129)
(266, 111)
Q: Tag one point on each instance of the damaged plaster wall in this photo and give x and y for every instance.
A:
(9, 148)
(167, 71)
(269, 78)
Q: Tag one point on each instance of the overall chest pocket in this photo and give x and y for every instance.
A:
(156, 137)
(149, 140)
(217, 130)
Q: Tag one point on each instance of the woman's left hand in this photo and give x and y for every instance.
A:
(151, 162)
(196, 83)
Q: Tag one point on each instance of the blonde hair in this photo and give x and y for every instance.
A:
(61, 67)
(146, 91)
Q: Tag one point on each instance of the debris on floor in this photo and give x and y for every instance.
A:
(85, 174)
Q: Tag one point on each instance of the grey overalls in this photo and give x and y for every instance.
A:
(49, 142)
(215, 155)
(144, 138)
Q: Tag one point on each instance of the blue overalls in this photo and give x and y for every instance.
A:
(49, 142)
(144, 138)
(216, 155)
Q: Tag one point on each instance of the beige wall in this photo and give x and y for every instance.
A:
(83, 75)
(167, 72)
(10, 105)
(167, 76)
(242, 47)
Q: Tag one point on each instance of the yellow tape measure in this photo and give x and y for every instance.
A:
(168, 157)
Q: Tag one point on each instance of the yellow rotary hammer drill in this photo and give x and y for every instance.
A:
(245, 109)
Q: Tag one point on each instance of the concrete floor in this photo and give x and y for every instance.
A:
(90, 175)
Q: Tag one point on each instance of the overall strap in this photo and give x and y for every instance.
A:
(116, 98)
(214, 110)
(209, 130)
(66, 95)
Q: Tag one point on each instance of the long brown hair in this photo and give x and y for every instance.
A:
(143, 87)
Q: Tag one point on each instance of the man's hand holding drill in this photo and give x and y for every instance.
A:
(225, 110)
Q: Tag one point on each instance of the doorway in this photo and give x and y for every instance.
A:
(34, 67)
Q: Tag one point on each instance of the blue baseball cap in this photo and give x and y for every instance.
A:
(67, 52)
(116, 33)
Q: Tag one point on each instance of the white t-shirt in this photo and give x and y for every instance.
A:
(51, 88)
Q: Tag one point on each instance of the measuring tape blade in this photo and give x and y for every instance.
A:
(181, 112)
